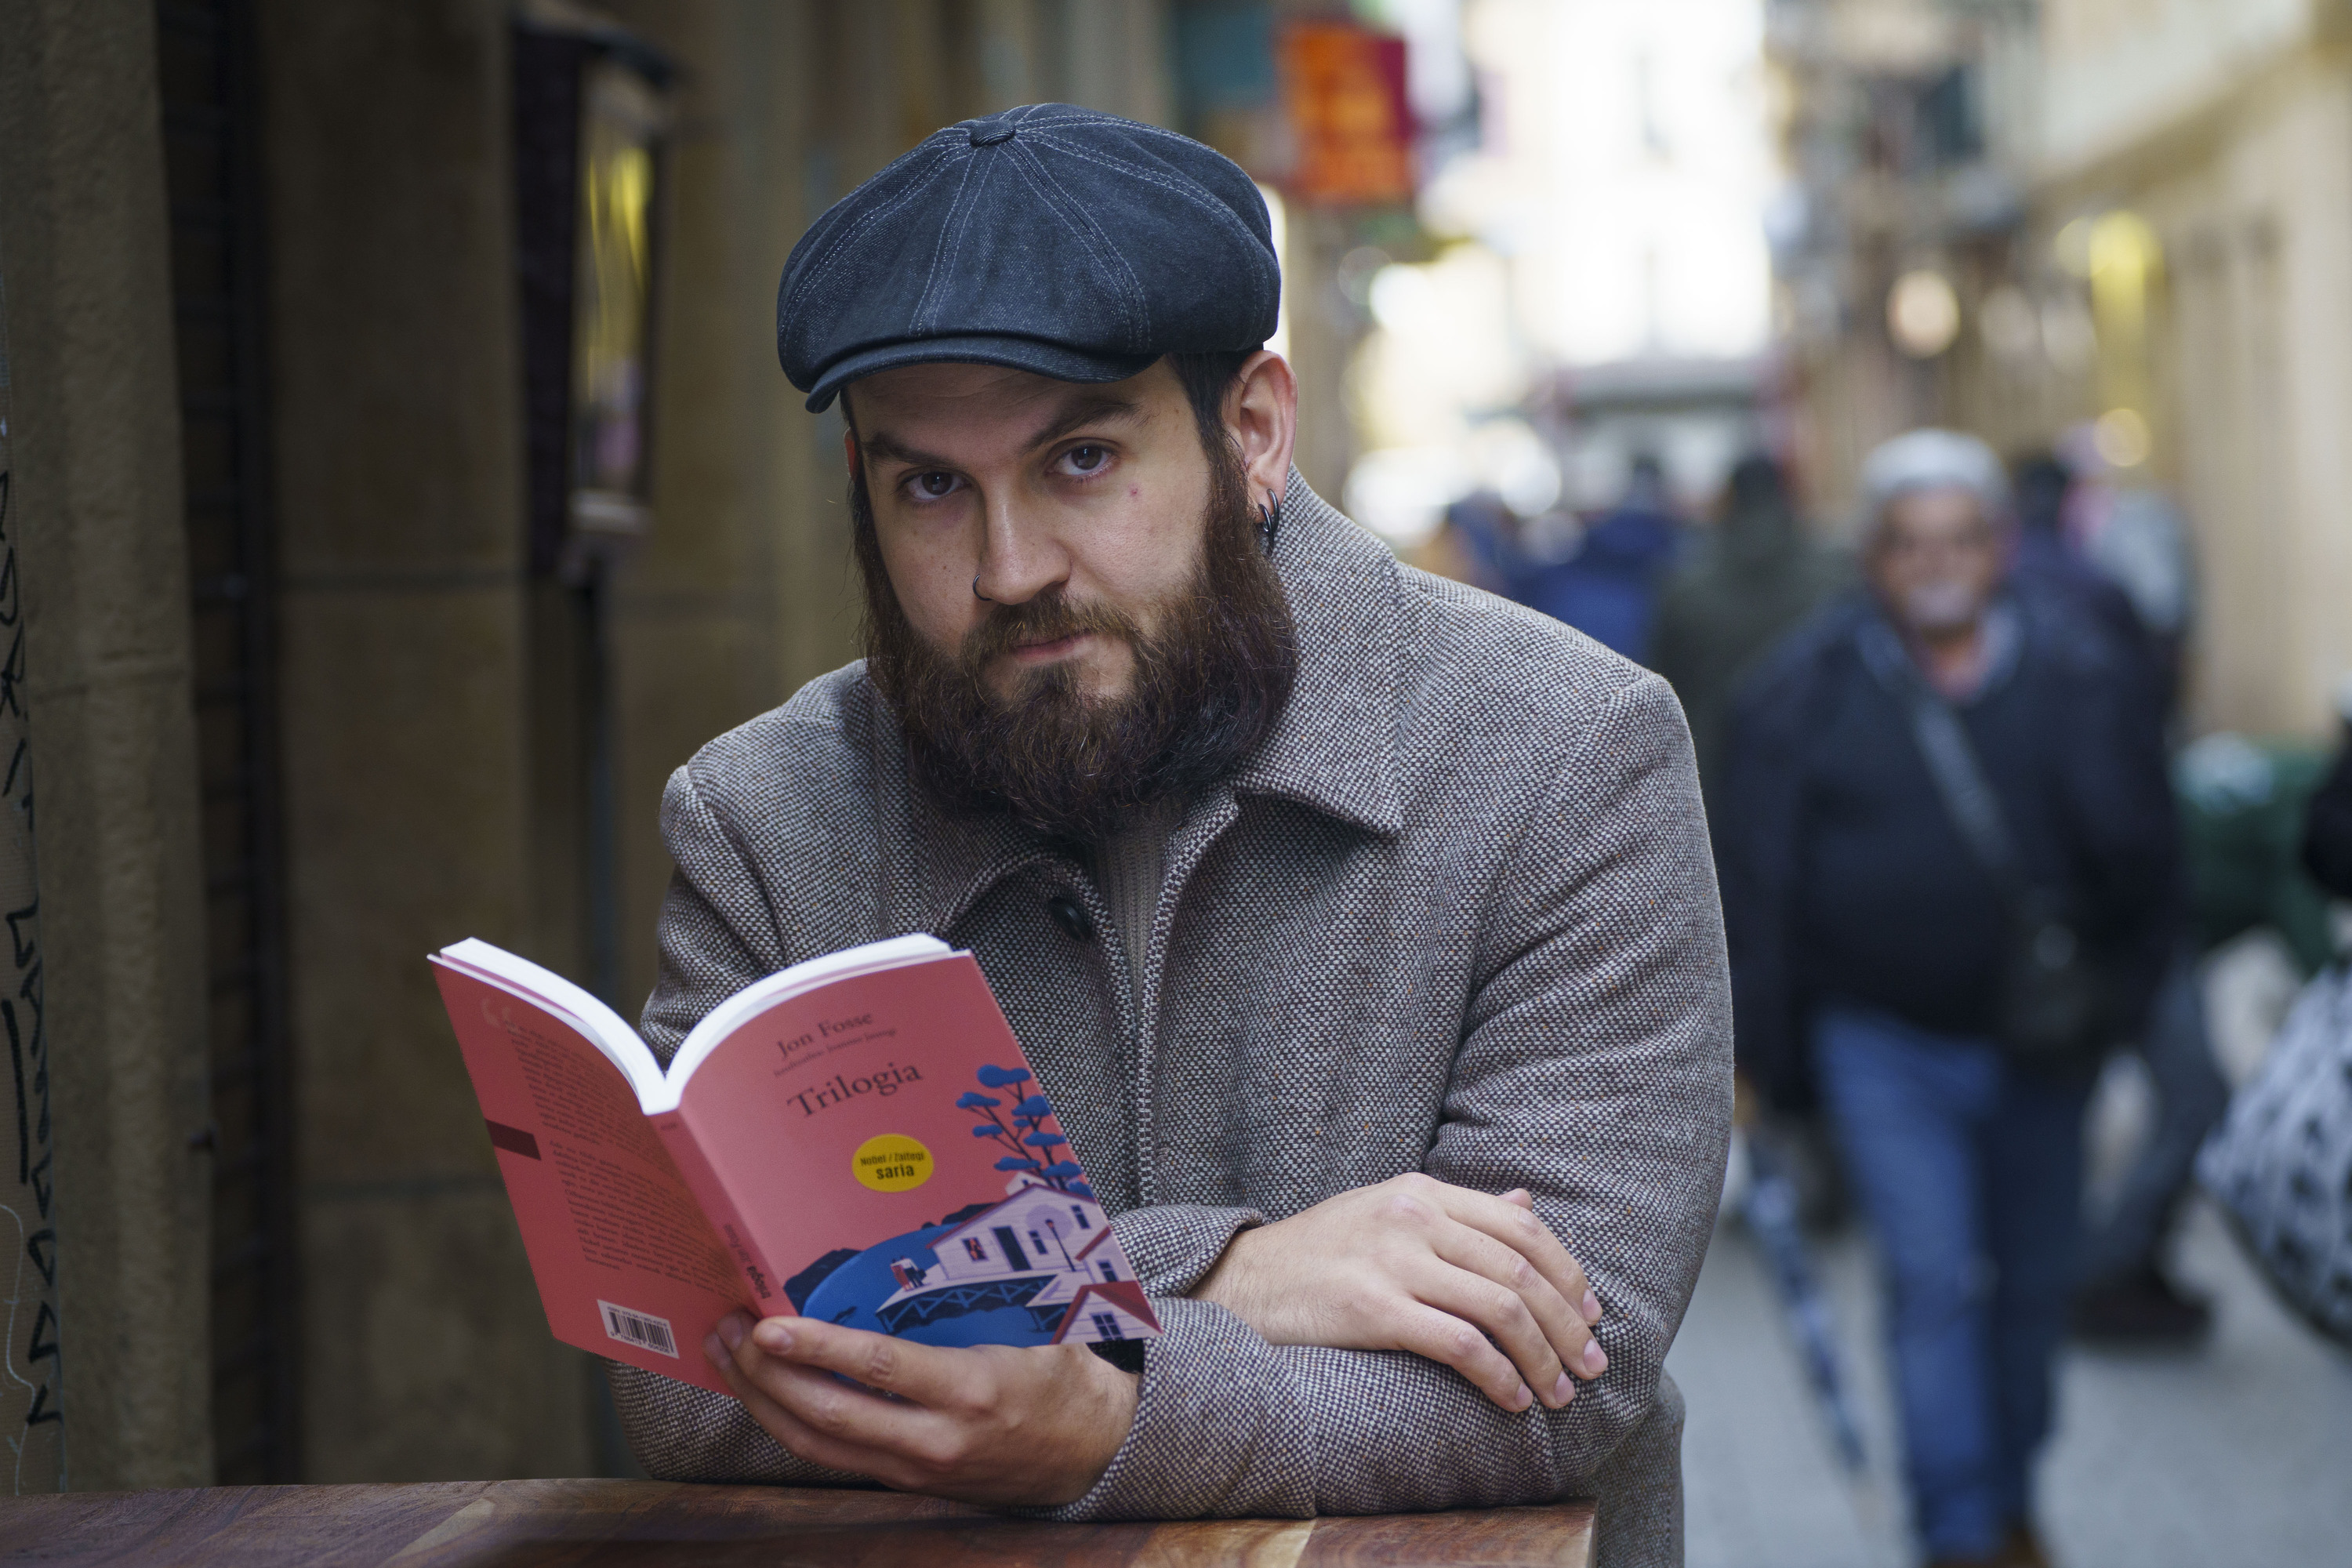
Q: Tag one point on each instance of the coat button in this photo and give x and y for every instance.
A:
(1071, 916)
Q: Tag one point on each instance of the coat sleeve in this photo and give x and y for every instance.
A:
(1595, 1070)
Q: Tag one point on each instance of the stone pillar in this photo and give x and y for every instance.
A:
(94, 503)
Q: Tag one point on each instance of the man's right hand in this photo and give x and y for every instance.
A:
(1417, 1264)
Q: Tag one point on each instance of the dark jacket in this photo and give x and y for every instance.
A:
(2328, 829)
(1844, 877)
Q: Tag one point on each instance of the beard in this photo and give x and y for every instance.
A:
(1210, 682)
(1942, 607)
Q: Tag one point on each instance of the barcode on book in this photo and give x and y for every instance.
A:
(638, 1329)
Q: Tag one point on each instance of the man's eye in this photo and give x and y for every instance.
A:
(1085, 459)
(932, 485)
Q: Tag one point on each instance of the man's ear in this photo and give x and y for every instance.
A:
(1262, 418)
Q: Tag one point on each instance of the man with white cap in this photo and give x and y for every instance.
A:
(1948, 869)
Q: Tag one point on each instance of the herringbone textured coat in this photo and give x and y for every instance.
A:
(1457, 916)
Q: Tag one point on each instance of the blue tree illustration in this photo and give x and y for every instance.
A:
(1020, 1130)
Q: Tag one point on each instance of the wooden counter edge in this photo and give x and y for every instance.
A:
(456, 1523)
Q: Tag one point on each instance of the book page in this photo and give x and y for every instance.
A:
(722, 1021)
(580, 1009)
(883, 1140)
(626, 1264)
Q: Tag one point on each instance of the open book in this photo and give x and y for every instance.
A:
(857, 1138)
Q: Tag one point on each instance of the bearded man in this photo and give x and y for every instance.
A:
(1361, 927)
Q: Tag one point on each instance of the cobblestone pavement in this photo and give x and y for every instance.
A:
(2238, 1455)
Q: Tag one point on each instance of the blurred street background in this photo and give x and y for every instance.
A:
(407, 362)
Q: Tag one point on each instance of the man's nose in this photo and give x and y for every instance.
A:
(1018, 558)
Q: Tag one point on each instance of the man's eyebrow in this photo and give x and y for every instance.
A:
(1099, 409)
(881, 446)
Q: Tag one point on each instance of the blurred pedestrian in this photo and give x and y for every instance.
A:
(2134, 536)
(1736, 593)
(1608, 588)
(1475, 542)
(2327, 822)
(2277, 1164)
(2126, 1296)
(1948, 865)
(2048, 562)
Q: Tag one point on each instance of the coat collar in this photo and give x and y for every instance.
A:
(1334, 751)
(1335, 748)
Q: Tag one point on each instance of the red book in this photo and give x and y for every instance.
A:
(857, 1138)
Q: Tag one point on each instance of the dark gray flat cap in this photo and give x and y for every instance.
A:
(1047, 238)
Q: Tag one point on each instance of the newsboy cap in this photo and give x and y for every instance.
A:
(1047, 238)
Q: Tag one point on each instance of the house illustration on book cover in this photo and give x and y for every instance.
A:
(1039, 1267)
(1040, 1249)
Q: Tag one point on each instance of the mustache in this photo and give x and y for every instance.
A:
(1048, 618)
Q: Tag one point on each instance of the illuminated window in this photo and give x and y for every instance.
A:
(974, 1250)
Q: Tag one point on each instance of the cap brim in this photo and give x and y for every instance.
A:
(1033, 355)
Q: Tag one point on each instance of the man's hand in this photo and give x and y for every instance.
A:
(1416, 1264)
(990, 1424)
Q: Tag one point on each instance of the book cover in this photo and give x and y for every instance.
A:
(872, 1150)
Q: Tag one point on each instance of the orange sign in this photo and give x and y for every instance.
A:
(1343, 87)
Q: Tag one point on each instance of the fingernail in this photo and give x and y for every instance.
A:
(731, 1330)
(772, 1337)
(714, 1350)
(1523, 1398)
(1564, 1390)
(1592, 1308)
(1596, 1360)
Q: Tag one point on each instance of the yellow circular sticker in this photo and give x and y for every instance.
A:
(893, 1163)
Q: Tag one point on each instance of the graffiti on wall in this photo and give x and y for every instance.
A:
(32, 1413)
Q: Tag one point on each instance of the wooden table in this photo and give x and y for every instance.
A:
(511, 1524)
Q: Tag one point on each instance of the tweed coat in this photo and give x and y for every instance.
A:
(1458, 915)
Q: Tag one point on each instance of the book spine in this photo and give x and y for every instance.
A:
(767, 1289)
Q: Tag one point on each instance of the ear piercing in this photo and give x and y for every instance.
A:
(1269, 513)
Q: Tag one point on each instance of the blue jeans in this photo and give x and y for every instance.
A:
(1970, 1175)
